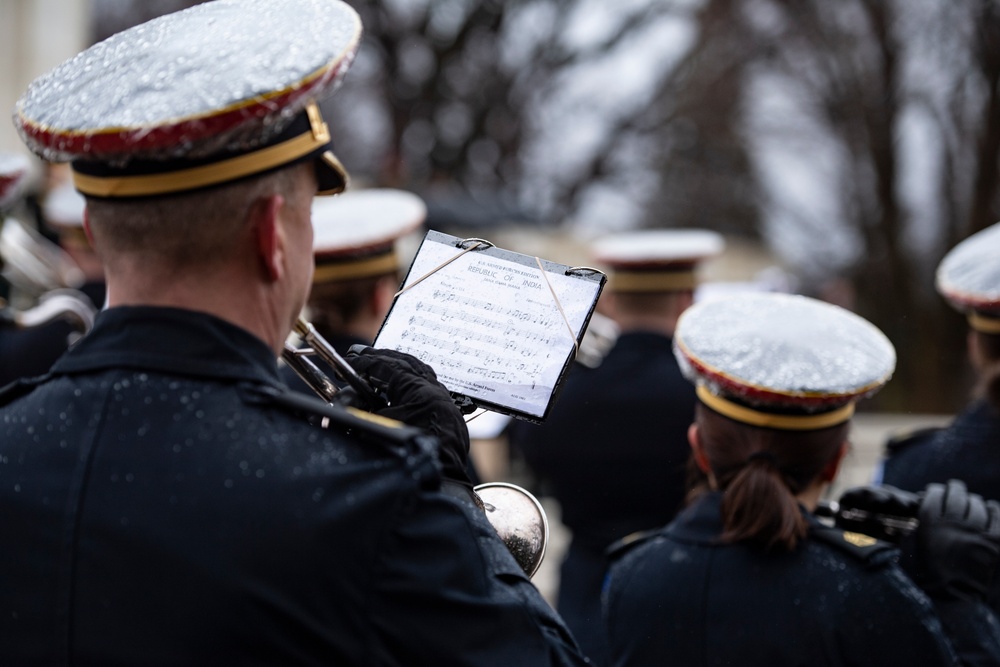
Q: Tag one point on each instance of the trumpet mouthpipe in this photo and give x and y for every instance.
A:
(322, 349)
(309, 372)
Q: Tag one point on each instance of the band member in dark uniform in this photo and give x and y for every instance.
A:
(164, 499)
(31, 351)
(614, 449)
(746, 574)
(969, 448)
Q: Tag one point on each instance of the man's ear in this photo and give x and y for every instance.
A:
(269, 235)
(86, 227)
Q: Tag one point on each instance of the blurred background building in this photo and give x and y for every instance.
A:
(35, 36)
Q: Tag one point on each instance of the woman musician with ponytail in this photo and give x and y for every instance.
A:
(746, 574)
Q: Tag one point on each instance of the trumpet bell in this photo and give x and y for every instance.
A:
(519, 520)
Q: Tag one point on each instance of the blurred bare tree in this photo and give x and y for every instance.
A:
(434, 104)
(899, 100)
(111, 16)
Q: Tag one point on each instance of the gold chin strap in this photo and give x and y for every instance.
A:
(983, 324)
(331, 161)
(746, 415)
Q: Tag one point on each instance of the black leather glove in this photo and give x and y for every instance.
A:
(417, 398)
(883, 512)
(956, 548)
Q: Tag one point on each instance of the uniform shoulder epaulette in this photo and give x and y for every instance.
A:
(19, 388)
(905, 439)
(344, 419)
(864, 548)
(621, 547)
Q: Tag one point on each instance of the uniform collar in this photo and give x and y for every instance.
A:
(700, 522)
(171, 340)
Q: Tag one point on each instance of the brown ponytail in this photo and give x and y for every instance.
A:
(757, 506)
(760, 471)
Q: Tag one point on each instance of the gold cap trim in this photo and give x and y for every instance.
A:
(223, 171)
(652, 281)
(753, 417)
(984, 324)
(357, 268)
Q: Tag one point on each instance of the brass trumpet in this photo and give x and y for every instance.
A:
(515, 514)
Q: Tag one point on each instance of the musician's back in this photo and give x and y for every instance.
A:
(684, 597)
(162, 504)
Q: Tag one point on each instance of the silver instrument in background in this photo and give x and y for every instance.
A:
(32, 264)
(60, 304)
(514, 513)
(43, 277)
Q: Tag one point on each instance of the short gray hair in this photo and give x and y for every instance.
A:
(184, 229)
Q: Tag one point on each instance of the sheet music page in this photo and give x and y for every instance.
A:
(489, 327)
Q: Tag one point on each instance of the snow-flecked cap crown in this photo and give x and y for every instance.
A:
(969, 278)
(655, 260)
(208, 95)
(355, 233)
(780, 360)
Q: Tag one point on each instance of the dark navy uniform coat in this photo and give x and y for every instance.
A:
(162, 501)
(681, 597)
(968, 449)
(614, 451)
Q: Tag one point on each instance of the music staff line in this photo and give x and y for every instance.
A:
(456, 350)
(473, 304)
(516, 370)
(536, 338)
